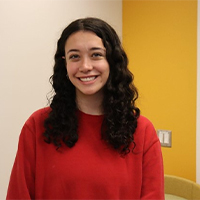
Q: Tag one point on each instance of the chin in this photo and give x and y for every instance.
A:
(91, 92)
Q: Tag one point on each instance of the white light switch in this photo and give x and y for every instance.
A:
(164, 137)
(161, 138)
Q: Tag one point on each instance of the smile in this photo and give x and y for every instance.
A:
(86, 79)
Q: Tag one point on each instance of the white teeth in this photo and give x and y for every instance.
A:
(87, 79)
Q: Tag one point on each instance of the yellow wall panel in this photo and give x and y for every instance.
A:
(160, 38)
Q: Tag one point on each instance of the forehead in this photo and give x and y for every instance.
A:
(81, 39)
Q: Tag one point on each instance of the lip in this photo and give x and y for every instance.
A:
(87, 79)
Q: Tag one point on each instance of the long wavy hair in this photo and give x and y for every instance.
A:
(120, 94)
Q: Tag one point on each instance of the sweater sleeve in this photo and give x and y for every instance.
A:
(21, 185)
(153, 175)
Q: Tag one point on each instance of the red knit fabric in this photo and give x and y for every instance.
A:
(89, 170)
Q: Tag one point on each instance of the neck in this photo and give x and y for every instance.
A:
(90, 104)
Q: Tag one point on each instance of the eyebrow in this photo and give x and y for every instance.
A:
(91, 49)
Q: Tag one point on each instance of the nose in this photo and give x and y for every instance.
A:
(85, 65)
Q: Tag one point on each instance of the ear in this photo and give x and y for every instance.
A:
(63, 57)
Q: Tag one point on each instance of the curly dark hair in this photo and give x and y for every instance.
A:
(120, 94)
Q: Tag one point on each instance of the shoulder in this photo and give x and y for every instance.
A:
(40, 113)
(144, 124)
(33, 127)
(145, 134)
(37, 118)
(144, 120)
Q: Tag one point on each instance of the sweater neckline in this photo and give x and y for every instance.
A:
(89, 115)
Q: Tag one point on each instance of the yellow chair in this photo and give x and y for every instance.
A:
(177, 188)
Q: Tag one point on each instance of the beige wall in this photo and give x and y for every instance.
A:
(28, 34)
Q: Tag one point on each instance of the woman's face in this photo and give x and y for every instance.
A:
(86, 62)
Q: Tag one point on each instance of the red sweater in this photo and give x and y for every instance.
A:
(89, 170)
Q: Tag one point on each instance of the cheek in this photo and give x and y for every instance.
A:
(107, 69)
(71, 69)
(103, 67)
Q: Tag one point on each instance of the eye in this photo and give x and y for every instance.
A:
(74, 57)
(97, 55)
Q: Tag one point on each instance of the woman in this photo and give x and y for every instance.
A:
(92, 142)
